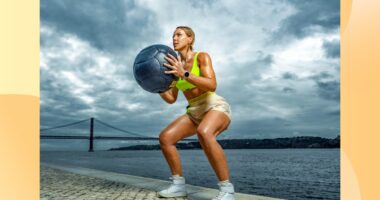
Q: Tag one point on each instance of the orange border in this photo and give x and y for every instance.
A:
(19, 99)
(360, 70)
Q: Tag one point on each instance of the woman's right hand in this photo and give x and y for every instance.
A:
(170, 96)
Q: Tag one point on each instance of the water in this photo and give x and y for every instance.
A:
(281, 173)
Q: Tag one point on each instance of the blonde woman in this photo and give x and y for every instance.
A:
(207, 114)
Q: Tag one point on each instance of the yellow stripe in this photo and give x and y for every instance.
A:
(206, 94)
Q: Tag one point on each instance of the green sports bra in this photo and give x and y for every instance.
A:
(183, 84)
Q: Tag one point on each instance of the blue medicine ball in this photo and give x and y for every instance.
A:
(149, 69)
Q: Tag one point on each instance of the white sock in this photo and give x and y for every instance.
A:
(225, 181)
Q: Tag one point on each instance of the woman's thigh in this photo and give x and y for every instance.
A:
(180, 128)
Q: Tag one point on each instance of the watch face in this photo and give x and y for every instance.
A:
(187, 74)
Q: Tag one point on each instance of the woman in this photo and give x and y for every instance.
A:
(207, 114)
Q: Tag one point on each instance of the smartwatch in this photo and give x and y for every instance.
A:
(186, 74)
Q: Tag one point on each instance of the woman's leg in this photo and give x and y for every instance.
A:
(211, 126)
(180, 128)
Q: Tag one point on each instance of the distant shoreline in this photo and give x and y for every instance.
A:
(300, 142)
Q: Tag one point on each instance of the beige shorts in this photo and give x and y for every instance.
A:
(200, 105)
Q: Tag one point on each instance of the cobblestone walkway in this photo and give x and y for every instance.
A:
(57, 184)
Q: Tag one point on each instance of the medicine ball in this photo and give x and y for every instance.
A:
(149, 70)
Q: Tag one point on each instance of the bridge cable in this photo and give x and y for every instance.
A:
(65, 125)
(128, 132)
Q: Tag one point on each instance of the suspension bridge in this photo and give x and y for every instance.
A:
(91, 133)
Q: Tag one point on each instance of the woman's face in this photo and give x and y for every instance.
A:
(180, 39)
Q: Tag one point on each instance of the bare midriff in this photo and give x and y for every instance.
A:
(192, 93)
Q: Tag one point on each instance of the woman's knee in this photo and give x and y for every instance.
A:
(166, 139)
(205, 134)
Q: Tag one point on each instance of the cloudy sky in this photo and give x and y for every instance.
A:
(277, 63)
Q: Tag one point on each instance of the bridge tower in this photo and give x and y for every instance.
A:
(91, 139)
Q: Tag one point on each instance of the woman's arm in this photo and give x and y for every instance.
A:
(170, 96)
(206, 82)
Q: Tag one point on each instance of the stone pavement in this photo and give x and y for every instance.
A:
(77, 183)
(58, 184)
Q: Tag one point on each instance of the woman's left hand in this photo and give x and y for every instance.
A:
(176, 65)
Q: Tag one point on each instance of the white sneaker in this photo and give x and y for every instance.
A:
(176, 189)
(226, 192)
